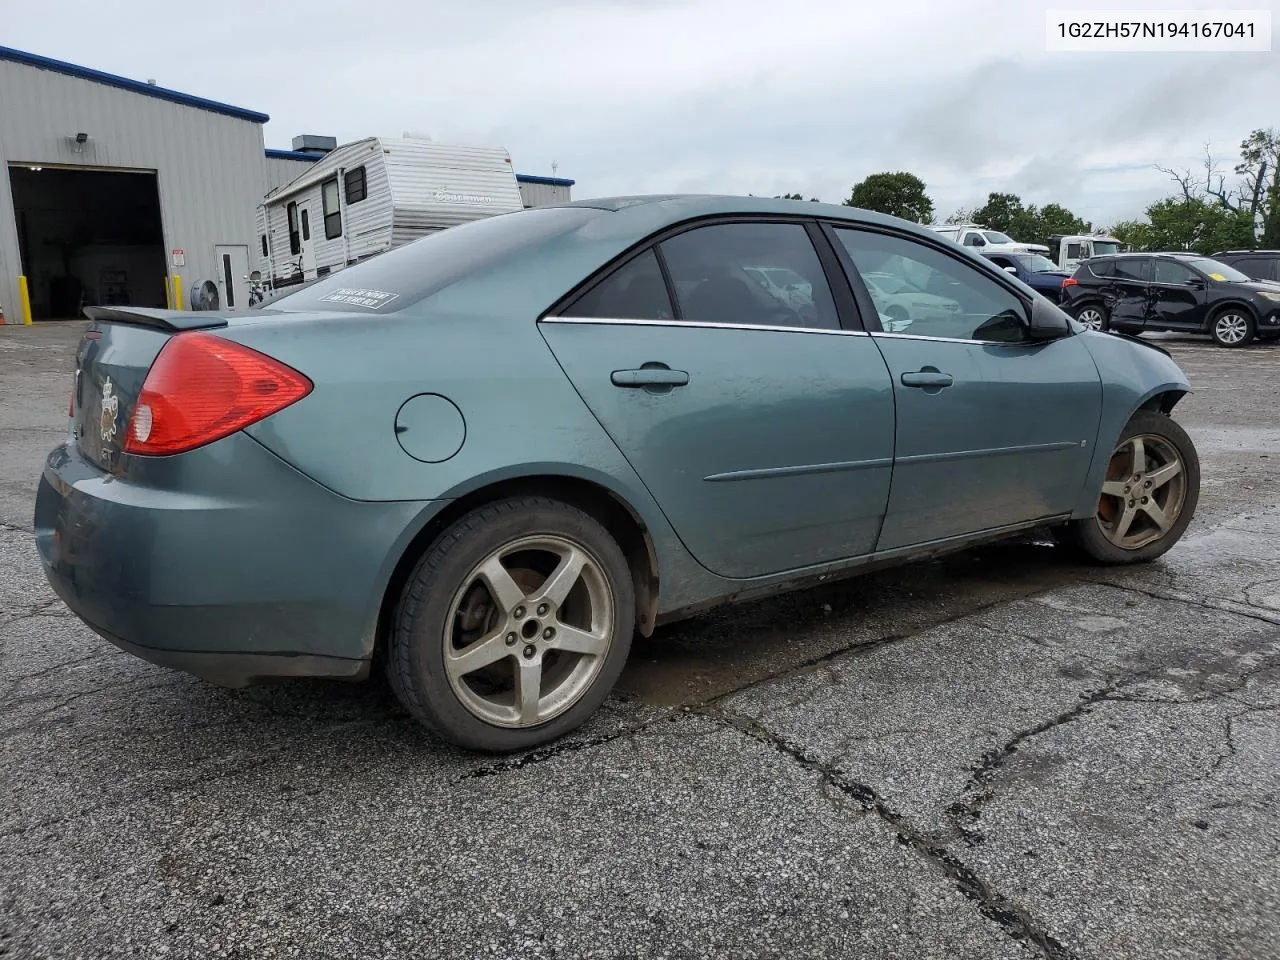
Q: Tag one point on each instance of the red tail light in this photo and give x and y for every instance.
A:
(1070, 282)
(202, 388)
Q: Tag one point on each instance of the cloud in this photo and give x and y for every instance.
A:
(632, 96)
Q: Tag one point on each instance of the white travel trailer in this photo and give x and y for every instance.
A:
(375, 194)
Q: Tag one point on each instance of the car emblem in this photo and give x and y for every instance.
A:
(110, 407)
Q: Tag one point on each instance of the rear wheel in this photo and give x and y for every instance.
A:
(514, 625)
(1232, 328)
(1093, 316)
(1149, 494)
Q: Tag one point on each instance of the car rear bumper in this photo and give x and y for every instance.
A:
(225, 563)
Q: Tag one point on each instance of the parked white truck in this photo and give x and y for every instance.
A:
(986, 240)
(1067, 250)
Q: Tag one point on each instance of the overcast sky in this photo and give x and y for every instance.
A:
(728, 96)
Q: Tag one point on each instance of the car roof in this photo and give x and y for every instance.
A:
(1246, 253)
(662, 209)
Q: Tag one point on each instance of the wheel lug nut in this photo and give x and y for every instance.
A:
(542, 609)
(1146, 499)
(511, 639)
(1126, 489)
(548, 633)
(518, 612)
(529, 651)
(1132, 503)
(1147, 484)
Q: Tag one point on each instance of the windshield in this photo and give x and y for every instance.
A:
(1039, 264)
(995, 236)
(393, 280)
(1105, 248)
(1219, 271)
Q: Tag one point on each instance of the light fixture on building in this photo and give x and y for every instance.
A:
(82, 138)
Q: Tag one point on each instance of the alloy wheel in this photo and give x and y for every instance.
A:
(1144, 492)
(1091, 317)
(1231, 329)
(528, 631)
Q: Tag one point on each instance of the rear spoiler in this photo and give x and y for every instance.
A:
(176, 320)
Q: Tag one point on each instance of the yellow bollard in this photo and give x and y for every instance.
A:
(168, 295)
(177, 292)
(25, 296)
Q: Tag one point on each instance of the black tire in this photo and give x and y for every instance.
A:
(1087, 537)
(1230, 336)
(1104, 321)
(416, 647)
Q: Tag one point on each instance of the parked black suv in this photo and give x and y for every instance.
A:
(1259, 264)
(1184, 292)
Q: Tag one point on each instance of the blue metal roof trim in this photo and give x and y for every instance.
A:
(136, 86)
(293, 155)
(545, 181)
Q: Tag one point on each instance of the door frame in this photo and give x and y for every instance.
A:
(240, 300)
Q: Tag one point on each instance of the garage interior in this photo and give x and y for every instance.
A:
(88, 237)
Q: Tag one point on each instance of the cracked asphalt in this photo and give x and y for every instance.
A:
(997, 755)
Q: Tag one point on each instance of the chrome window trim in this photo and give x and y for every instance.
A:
(920, 336)
(705, 324)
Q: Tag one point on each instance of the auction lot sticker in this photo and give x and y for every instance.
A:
(358, 297)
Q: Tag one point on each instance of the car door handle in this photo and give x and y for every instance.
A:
(649, 377)
(926, 378)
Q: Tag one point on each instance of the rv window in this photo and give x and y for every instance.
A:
(356, 185)
(332, 211)
(306, 224)
(264, 246)
(295, 247)
(401, 277)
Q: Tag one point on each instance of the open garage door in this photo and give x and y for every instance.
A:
(88, 237)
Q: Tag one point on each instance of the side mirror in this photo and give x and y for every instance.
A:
(1013, 270)
(1047, 321)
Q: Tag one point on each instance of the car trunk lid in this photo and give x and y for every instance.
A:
(111, 363)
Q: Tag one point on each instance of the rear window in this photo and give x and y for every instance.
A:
(1101, 268)
(393, 280)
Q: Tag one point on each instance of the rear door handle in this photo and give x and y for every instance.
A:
(926, 378)
(649, 377)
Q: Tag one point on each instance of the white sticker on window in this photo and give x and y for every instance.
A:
(373, 299)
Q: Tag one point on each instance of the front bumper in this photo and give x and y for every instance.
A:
(225, 563)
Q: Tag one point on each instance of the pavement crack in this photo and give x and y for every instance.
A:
(1012, 919)
(1205, 603)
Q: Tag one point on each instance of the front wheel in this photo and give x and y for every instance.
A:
(1149, 494)
(1093, 316)
(514, 625)
(1232, 328)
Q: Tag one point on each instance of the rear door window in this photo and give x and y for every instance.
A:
(762, 274)
(1102, 268)
(1133, 268)
(634, 291)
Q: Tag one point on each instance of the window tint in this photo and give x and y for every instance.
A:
(921, 291)
(1102, 268)
(332, 211)
(295, 247)
(401, 277)
(974, 240)
(1073, 251)
(1133, 268)
(1169, 271)
(757, 273)
(306, 224)
(356, 185)
(635, 291)
(1255, 267)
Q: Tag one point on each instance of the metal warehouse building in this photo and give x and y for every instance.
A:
(119, 191)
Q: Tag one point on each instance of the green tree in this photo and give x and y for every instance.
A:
(1025, 223)
(899, 194)
(795, 196)
(1259, 168)
(1196, 225)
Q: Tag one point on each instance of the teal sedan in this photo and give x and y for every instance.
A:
(489, 460)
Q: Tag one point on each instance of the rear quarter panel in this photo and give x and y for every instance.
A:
(1132, 374)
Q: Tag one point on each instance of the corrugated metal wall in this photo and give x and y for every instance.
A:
(281, 171)
(210, 166)
(543, 194)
